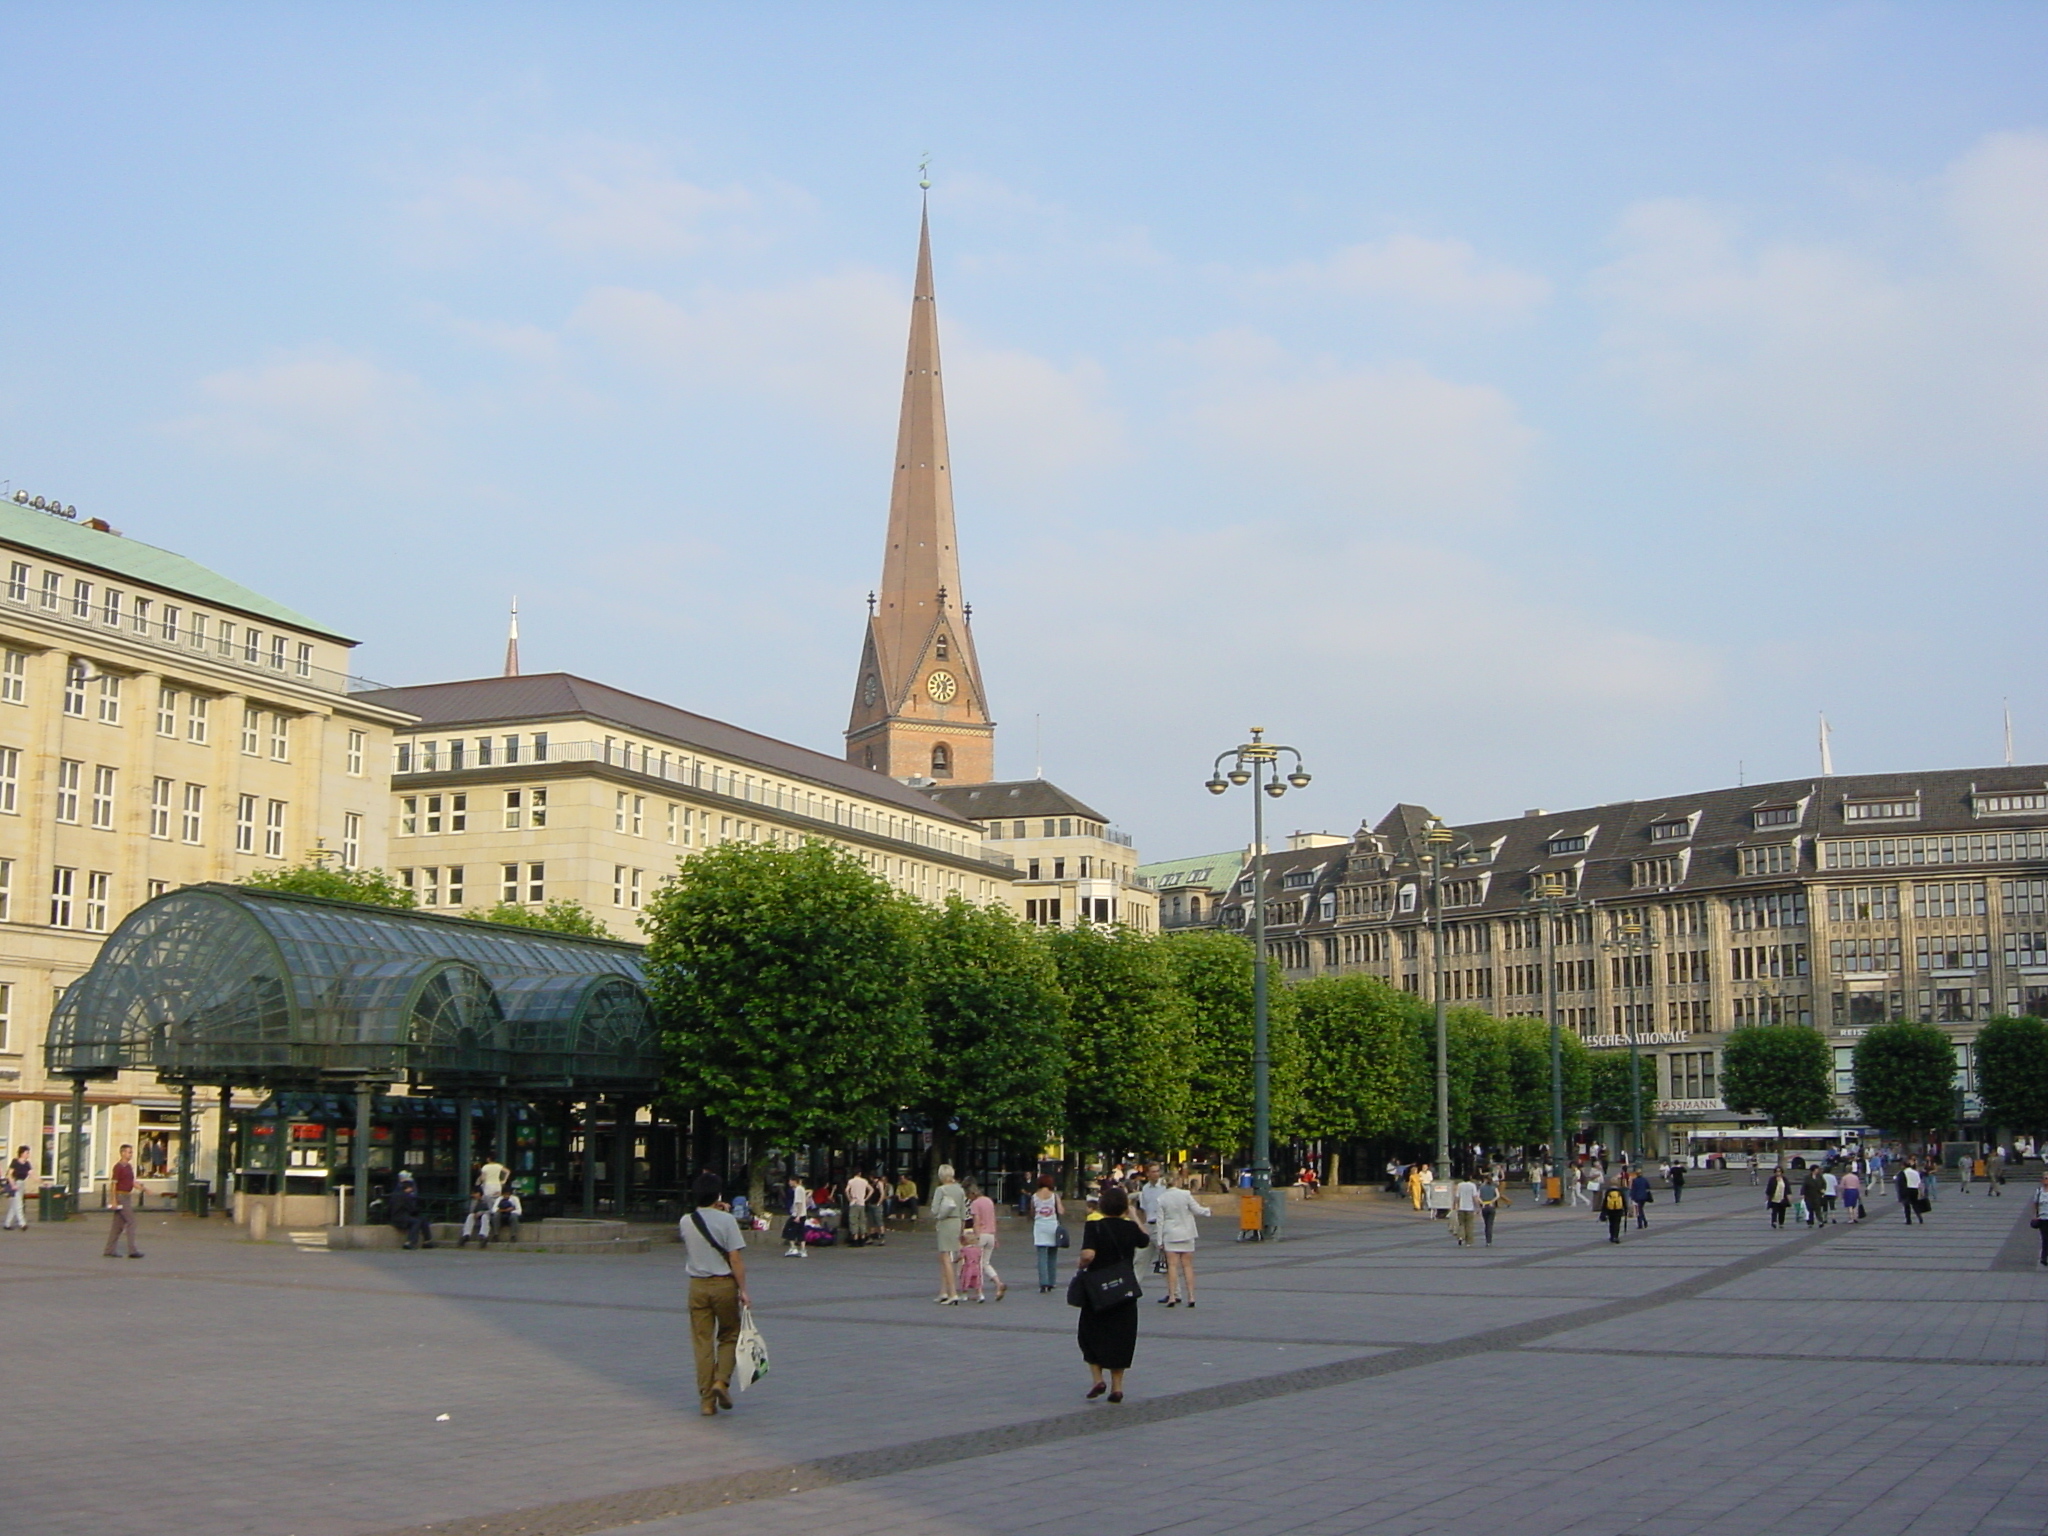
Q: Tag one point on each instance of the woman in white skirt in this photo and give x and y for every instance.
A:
(1177, 1233)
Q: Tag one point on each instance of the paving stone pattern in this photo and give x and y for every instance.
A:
(1707, 1376)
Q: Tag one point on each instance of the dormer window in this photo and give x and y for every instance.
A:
(1570, 842)
(1775, 816)
(1297, 880)
(1671, 831)
(1881, 810)
(2008, 802)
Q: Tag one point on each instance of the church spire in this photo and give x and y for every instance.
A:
(919, 710)
(512, 643)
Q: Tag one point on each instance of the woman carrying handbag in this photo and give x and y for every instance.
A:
(1042, 1205)
(1108, 1330)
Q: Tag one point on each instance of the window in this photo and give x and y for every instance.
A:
(1863, 904)
(195, 719)
(103, 797)
(1571, 843)
(508, 885)
(167, 712)
(245, 824)
(351, 839)
(192, 818)
(273, 830)
(511, 749)
(483, 751)
(408, 815)
(1769, 859)
(1880, 810)
(1960, 848)
(280, 738)
(639, 815)
(1778, 909)
(458, 813)
(2011, 804)
(10, 780)
(63, 887)
(2028, 949)
(1765, 962)
(1961, 898)
(1775, 816)
(536, 881)
(110, 700)
(53, 590)
(14, 679)
(161, 792)
(515, 801)
(195, 632)
(75, 674)
(1046, 913)
(111, 604)
(1952, 951)
(98, 887)
(81, 599)
(139, 619)
(540, 746)
(1296, 879)
(224, 636)
(158, 888)
(430, 817)
(674, 818)
(352, 760)
(1655, 873)
(1670, 831)
(1692, 1075)
(278, 646)
(1685, 967)
(1461, 893)
(1881, 954)
(6, 1016)
(942, 762)
(69, 772)
(6, 890)
(252, 645)
(537, 808)
(619, 811)
(252, 730)
(455, 885)
(17, 581)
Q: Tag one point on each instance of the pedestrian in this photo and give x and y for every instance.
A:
(1778, 1196)
(2040, 1216)
(1492, 1201)
(1108, 1336)
(1972, 1169)
(949, 1207)
(1394, 1172)
(1150, 1188)
(19, 1172)
(1639, 1197)
(1614, 1208)
(981, 1221)
(407, 1217)
(1830, 1194)
(491, 1179)
(1465, 1207)
(1813, 1193)
(506, 1215)
(1417, 1183)
(1044, 1209)
(713, 1250)
(798, 1204)
(1852, 1194)
(1995, 1168)
(906, 1196)
(1927, 1182)
(1907, 1183)
(1676, 1179)
(121, 1200)
(857, 1191)
(1752, 1167)
(1178, 1231)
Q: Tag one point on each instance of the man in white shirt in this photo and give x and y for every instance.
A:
(1148, 1202)
(858, 1189)
(1465, 1203)
(492, 1178)
(717, 1267)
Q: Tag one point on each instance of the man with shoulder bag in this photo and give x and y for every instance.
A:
(717, 1268)
(2041, 1216)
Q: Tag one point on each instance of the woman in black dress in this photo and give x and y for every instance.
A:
(1109, 1338)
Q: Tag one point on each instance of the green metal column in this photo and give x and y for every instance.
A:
(622, 1155)
(465, 1147)
(501, 1146)
(590, 1157)
(185, 1129)
(77, 1139)
(359, 1156)
(224, 1150)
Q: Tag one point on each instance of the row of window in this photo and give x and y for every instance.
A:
(436, 885)
(481, 752)
(1050, 826)
(79, 898)
(151, 619)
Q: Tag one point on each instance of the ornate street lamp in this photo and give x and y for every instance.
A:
(1257, 763)
(1440, 850)
(1631, 940)
(1547, 897)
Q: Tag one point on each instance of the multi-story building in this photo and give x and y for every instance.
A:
(1071, 865)
(1837, 902)
(1190, 890)
(159, 725)
(551, 787)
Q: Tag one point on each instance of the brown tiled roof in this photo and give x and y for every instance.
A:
(490, 701)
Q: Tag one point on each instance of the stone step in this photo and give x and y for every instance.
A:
(558, 1234)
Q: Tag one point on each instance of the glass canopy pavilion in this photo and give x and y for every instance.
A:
(245, 988)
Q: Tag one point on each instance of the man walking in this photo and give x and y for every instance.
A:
(19, 1172)
(1465, 1201)
(1614, 1208)
(1908, 1183)
(121, 1196)
(712, 1243)
(1676, 1179)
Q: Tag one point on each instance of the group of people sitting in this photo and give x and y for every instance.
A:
(494, 1209)
(858, 1210)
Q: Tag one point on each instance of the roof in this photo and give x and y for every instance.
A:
(117, 555)
(557, 695)
(1014, 797)
(1209, 870)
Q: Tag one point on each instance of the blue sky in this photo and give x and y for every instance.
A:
(1510, 405)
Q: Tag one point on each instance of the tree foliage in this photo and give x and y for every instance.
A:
(1905, 1077)
(1779, 1071)
(791, 987)
(1213, 971)
(1130, 1041)
(2012, 1073)
(1607, 1099)
(315, 878)
(562, 916)
(997, 1020)
(1364, 1074)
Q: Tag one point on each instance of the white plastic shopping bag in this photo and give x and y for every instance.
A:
(752, 1362)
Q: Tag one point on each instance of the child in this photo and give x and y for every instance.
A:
(969, 1262)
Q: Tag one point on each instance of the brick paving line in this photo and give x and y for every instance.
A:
(607, 1512)
(1762, 1354)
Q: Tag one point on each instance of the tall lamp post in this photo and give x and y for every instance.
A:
(1631, 942)
(1547, 898)
(1438, 849)
(1257, 763)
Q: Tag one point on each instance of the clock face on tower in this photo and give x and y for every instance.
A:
(941, 686)
(869, 690)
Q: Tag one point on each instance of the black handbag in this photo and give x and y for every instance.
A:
(1110, 1287)
(1060, 1238)
(1077, 1289)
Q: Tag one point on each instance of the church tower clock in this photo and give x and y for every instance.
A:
(919, 709)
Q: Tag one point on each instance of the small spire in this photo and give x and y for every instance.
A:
(871, 605)
(512, 643)
(924, 172)
(942, 599)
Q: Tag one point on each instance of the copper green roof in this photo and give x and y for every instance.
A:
(116, 555)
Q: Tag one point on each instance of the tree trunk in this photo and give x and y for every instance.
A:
(757, 1179)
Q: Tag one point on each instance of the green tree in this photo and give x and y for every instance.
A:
(997, 1019)
(790, 983)
(559, 916)
(1213, 970)
(315, 878)
(1607, 1099)
(2012, 1073)
(1780, 1071)
(1130, 1041)
(1365, 1075)
(1905, 1078)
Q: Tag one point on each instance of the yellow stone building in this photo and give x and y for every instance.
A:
(160, 725)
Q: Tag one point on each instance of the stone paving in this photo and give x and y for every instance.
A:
(1707, 1376)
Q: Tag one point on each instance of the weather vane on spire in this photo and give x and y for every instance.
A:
(924, 172)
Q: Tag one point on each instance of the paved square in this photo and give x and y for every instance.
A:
(1709, 1375)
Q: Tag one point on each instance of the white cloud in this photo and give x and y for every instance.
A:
(1443, 275)
(1804, 352)
(321, 412)
(1389, 445)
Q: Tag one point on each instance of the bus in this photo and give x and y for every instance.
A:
(1731, 1148)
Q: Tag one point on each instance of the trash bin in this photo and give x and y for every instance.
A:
(53, 1204)
(198, 1198)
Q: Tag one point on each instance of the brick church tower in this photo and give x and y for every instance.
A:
(919, 708)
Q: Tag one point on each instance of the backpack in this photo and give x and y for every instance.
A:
(1614, 1201)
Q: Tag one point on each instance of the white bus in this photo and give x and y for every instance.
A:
(1731, 1148)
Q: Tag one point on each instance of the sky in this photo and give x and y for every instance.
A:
(1507, 405)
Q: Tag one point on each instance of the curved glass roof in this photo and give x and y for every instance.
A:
(224, 984)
